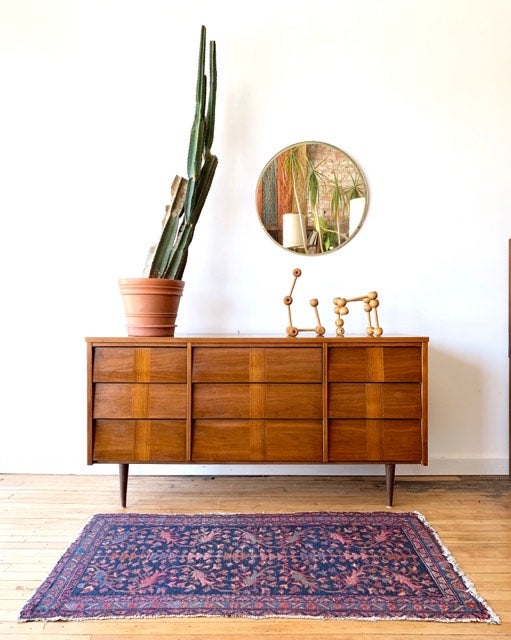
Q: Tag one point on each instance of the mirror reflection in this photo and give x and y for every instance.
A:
(311, 198)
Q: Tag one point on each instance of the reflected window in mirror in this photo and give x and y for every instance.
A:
(312, 198)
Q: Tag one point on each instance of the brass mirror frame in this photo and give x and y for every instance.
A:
(312, 198)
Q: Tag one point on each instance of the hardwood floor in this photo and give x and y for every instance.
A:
(41, 515)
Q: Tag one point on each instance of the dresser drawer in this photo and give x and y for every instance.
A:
(374, 400)
(139, 364)
(113, 400)
(139, 441)
(251, 364)
(375, 364)
(257, 441)
(292, 401)
(375, 441)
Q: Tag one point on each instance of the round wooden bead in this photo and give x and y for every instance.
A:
(314, 302)
(292, 331)
(288, 300)
(344, 311)
(320, 330)
(378, 331)
(374, 303)
(339, 322)
(373, 295)
(297, 273)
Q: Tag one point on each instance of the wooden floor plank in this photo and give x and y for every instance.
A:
(40, 515)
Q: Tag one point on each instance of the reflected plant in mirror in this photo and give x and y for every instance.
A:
(311, 198)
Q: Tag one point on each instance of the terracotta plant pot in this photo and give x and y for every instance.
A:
(151, 305)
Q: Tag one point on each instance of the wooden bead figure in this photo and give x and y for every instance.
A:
(288, 301)
(371, 303)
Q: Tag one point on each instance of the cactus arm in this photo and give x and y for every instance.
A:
(196, 143)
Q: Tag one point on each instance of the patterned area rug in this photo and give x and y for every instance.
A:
(372, 566)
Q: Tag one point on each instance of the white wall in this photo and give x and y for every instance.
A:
(97, 101)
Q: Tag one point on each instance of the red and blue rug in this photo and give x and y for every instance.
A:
(371, 566)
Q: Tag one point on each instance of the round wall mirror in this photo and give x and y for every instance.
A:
(311, 198)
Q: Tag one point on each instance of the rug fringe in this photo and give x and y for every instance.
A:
(261, 617)
(494, 618)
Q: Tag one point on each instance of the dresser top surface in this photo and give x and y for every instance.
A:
(256, 339)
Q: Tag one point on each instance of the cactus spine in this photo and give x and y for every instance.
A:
(171, 253)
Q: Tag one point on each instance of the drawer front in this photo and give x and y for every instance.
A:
(294, 441)
(292, 401)
(217, 364)
(257, 441)
(139, 364)
(375, 441)
(375, 364)
(250, 364)
(139, 400)
(293, 365)
(139, 441)
(374, 400)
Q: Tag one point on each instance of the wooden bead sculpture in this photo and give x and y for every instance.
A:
(288, 301)
(370, 307)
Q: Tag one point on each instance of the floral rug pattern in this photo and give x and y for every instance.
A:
(317, 565)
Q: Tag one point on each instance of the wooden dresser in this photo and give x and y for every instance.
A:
(249, 400)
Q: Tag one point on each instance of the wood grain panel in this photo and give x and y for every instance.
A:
(293, 441)
(375, 441)
(251, 364)
(402, 364)
(221, 401)
(227, 440)
(374, 400)
(374, 364)
(257, 401)
(139, 364)
(257, 441)
(293, 365)
(402, 441)
(113, 400)
(221, 364)
(294, 401)
(139, 441)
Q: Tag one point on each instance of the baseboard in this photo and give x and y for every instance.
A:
(436, 467)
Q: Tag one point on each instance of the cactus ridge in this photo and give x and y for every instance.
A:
(210, 117)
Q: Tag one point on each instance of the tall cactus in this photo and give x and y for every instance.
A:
(171, 253)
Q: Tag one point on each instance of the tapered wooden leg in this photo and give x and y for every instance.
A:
(123, 482)
(390, 472)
